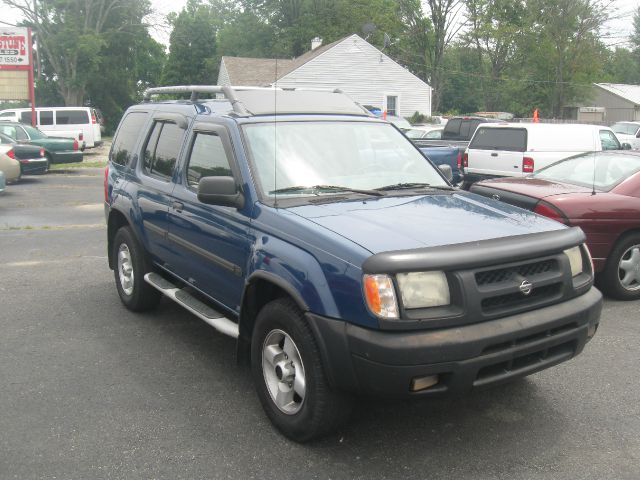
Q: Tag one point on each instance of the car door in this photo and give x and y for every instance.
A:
(213, 240)
(156, 170)
(608, 140)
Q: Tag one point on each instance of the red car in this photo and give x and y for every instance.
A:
(605, 203)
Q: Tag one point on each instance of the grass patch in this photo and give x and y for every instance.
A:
(66, 166)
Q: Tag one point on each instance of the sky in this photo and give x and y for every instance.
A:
(616, 31)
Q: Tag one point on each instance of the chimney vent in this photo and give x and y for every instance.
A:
(315, 43)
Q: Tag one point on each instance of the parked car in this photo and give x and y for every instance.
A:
(519, 149)
(399, 122)
(32, 158)
(456, 133)
(628, 132)
(433, 132)
(3, 182)
(337, 257)
(604, 203)
(8, 165)
(80, 123)
(56, 150)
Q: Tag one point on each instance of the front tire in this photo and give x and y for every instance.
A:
(130, 266)
(289, 376)
(621, 277)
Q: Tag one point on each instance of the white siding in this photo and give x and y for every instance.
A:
(223, 75)
(365, 74)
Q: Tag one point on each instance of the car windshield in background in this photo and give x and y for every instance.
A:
(625, 128)
(610, 170)
(343, 155)
(506, 139)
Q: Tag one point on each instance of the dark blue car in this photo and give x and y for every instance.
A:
(338, 258)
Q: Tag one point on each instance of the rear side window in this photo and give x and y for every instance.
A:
(72, 117)
(465, 128)
(208, 159)
(161, 152)
(125, 140)
(507, 139)
(9, 130)
(452, 129)
(7, 114)
(46, 117)
(25, 117)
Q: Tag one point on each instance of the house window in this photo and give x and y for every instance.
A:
(392, 105)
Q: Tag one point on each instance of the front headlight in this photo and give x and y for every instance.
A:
(575, 260)
(424, 289)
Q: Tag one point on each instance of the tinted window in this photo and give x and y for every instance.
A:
(465, 128)
(508, 139)
(25, 117)
(46, 117)
(125, 140)
(208, 159)
(452, 129)
(72, 117)
(161, 160)
(609, 140)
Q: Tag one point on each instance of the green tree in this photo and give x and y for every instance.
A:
(192, 46)
(72, 33)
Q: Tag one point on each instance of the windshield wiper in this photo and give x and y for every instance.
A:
(413, 185)
(317, 188)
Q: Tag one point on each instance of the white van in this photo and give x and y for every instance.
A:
(80, 123)
(518, 149)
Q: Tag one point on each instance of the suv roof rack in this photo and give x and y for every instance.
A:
(238, 105)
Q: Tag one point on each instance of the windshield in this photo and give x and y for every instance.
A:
(610, 169)
(34, 133)
(625, 128)
(351, 155)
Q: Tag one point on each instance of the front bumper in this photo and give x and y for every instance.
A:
(384, 363)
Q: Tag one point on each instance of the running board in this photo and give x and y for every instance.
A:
(191, 303)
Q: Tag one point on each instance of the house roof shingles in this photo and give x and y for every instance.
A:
(262, 72)
(630, 93)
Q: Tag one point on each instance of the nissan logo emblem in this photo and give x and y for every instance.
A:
(526, 287)
(495, 197)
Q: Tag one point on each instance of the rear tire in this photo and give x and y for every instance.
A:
(289, 375)
(621, 276)
(131, 263)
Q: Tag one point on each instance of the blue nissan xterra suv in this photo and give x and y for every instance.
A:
(339, 258)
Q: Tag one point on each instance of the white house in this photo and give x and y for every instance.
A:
(351, 64)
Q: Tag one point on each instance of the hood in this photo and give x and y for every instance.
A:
(398, 223)
(534, 187)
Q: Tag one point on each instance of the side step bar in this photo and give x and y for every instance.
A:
(195, 306)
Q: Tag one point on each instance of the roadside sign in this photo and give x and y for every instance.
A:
(14, 47)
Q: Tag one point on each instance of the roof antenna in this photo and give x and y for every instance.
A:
(593, 184)
(275, 137)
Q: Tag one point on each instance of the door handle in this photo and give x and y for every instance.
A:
(177, 206)
(494, 154)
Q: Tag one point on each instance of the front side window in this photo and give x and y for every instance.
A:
(610, 170)
(163, 146)
(72, 117)
(359, 155)
(609, 140)
(208, 159)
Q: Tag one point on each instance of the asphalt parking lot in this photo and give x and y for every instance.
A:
(90, 390)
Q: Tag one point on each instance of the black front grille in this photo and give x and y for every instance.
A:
(527, 270)
(517, 299)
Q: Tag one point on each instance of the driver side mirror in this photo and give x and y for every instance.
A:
(626, 146)
(446, 171)
(221, 191)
